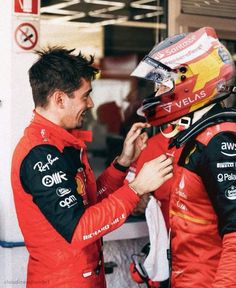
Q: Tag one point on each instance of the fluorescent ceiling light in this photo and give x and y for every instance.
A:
(101, 2)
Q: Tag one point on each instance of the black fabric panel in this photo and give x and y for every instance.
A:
(49, 176)
(218, 171)
(190, 157)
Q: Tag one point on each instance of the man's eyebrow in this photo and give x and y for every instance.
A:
(88, 92)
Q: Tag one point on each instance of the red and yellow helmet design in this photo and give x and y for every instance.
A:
(196, 69)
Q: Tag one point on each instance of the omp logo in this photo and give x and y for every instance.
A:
(229, 147)
(230, 193)
(55, 178)
(68, 202)
(62, 191)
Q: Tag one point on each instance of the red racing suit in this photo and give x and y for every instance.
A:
(203, 210)
(54, 193)
(202, 205)
(157, 145)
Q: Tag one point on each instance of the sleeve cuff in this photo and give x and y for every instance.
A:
(119, 167)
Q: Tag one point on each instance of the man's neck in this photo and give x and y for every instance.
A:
(48, 114)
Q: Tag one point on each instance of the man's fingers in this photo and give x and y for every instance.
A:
(133, 136)
(168, 176)
(142, 139)
(168, 161)
(138, 127)
(144, 136)
(163, 161)
(167, 170)
(161, 158)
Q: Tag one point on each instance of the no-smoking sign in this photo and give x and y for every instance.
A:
(26, 36)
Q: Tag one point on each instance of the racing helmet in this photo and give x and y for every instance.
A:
(195, 68)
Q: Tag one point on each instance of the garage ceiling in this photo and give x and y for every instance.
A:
(137, 13)
(86, 13)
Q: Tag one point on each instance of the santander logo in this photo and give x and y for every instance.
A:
(174, 49)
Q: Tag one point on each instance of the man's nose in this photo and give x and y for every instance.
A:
(90, 103)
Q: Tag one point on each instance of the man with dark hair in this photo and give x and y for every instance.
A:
(62, 211)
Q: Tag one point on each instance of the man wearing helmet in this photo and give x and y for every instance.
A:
(193, 73)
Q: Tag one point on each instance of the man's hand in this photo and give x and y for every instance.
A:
(134, 143)
(152, 175)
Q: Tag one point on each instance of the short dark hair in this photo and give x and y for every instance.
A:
(58, 69)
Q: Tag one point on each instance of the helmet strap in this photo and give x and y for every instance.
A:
(199, 113)
(179, 125)
(185, 122)
(171, 134)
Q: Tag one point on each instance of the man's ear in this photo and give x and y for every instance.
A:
(58, 97)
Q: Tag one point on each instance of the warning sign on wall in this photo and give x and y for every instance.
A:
(26, 36)
(26, 7)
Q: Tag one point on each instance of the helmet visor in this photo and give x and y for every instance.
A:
(162, 95)
(153, 70)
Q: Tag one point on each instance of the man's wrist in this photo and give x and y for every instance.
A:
(135, 190)
(120, 166)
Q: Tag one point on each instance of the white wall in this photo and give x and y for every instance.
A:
(15, 111)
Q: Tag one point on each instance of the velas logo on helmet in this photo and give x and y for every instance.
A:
(183, 70)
